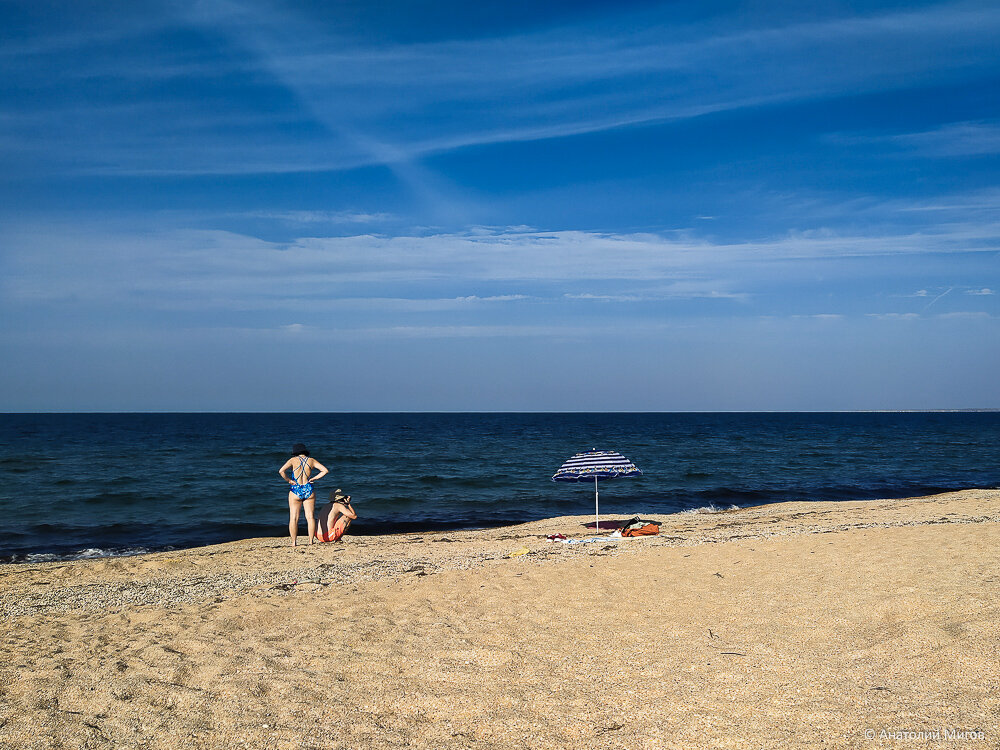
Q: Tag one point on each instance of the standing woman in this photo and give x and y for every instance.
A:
(300, 490)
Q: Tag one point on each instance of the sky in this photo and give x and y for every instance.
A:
(233, 205)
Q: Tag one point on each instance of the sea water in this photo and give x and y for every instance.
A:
(79, 485)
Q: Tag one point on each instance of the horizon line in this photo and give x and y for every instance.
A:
(514, 411)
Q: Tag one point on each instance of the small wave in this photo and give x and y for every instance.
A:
(471, 482)
(343, 458)
(91, 552)
(114, 498)
(124, 479)
(84, 554)
(709, 509)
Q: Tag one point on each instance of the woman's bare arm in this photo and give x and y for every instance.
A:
(323, 471)
(283, 469)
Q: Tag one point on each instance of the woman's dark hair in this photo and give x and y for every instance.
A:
(299, 450)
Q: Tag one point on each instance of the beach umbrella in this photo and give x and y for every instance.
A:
(592, 466)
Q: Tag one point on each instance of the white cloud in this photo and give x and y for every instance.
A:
(923, 293)
(382, 103)
(679, 290)
(216, 268)
(945, 293)
(608, 297)
(955, 139)
(494, 298)
(965, 315)
(979, 138)
(533, 330)
(973, 202)
(318, 217)
(562, 68)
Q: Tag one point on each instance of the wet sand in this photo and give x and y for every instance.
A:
(796, 625)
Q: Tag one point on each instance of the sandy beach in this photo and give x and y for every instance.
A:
(796, 625)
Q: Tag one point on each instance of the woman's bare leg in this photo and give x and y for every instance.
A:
(310, 506)
(294, 508)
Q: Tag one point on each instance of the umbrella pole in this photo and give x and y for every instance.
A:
(597, 516)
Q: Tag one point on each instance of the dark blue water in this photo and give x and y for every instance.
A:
(93, 484)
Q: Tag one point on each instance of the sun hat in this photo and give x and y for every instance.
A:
(338, 495)
(299, 450)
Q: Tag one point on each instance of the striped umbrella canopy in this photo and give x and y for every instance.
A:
(593, 466)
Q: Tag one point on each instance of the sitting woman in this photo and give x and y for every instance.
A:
(339, 508)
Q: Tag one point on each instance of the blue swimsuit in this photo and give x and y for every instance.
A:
(302, 491)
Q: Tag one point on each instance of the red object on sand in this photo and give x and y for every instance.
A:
(334, 534)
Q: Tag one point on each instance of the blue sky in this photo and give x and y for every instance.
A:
(230, 205)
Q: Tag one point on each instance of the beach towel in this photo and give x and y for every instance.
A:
(590, 540)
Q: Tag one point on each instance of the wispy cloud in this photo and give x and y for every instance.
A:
(318, 217)
(945, 293)
(955, 139)
(389, 103)
(934, 296)
(691, 289)
(894, 316)
(608, 297)
(966, 315)
(481, 267)
(977, 201)
(483, 331)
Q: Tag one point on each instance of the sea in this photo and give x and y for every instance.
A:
(92, 485)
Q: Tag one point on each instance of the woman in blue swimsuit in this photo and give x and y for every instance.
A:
(300, 489)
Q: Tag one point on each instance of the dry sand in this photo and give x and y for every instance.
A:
(792, 625)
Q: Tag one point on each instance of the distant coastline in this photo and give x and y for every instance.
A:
(692, 411)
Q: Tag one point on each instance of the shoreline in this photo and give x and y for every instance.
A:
(782, 625)
(171, 577)
(383, 530)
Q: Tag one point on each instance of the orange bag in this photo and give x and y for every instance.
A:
(648, 530)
